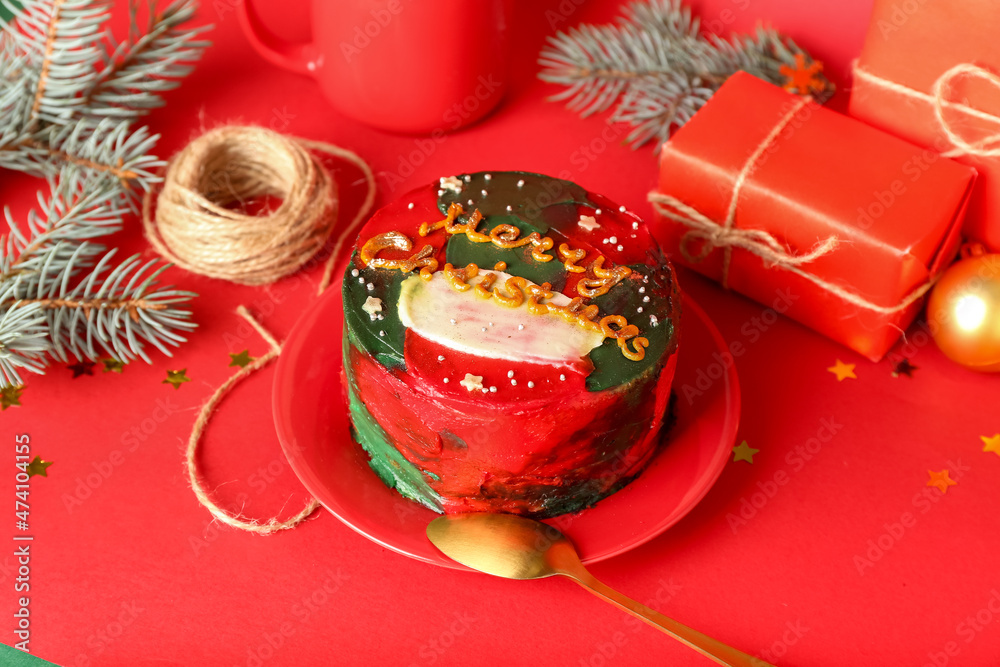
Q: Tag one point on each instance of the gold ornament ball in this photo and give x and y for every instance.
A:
(964, 312)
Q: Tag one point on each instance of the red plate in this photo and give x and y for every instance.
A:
(310, 414)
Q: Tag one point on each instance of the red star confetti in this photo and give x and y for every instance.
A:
(903, 367)
(941, 480)
(802, 79)
(177, 378)
(82, 368)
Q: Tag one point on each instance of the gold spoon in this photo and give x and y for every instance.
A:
(513, 547)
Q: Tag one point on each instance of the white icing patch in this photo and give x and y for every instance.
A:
(437, 312)
(372, 306)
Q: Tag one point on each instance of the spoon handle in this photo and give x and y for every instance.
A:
(712, 648)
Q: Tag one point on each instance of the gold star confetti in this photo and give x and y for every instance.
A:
(991, 444)
(82, 368)
(903, 367)
(941, 480)
(176, 378)
(241, 359)
(10, 396)
(802, 79)
(38, 466)
(112, 365)
(843, 371)
(744, 452)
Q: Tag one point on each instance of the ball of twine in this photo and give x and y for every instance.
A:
(196, 227)
(201, 222)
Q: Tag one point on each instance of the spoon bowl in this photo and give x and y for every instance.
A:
(514, 547)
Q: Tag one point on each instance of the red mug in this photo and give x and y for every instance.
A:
(414, 66)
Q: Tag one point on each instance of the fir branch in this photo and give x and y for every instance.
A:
(657, 66)
(68, 95)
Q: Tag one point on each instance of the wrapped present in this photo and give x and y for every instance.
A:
(928, 73)
(784, 200)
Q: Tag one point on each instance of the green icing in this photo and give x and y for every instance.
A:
(366, 333)
(611, 368)
(461, 251)
(542, 200)
(391, 466)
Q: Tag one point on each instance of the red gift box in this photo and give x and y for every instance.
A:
(783, 199)
(928, 73)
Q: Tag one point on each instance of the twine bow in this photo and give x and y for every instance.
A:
(988, 146)
(726, 235)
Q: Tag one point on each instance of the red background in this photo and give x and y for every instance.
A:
(205, 594)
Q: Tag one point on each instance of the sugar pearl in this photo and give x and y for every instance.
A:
(531, 385)
(410, 206)
(613, 239)
(520, 183)
(645, 299)
(446, 380)
(493, 390)
(354, 272)
(487, 177)
(370, 287)
(513, 382)
(620, 247)
(510, 374)
(562, 377)
(621, 209)
(635, 225)
(597, 211)
(440, 357)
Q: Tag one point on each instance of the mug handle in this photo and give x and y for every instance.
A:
(301, 57)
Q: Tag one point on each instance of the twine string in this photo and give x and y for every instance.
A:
(195, 228)
(938, 98)
(273, 524)
(728, 234)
